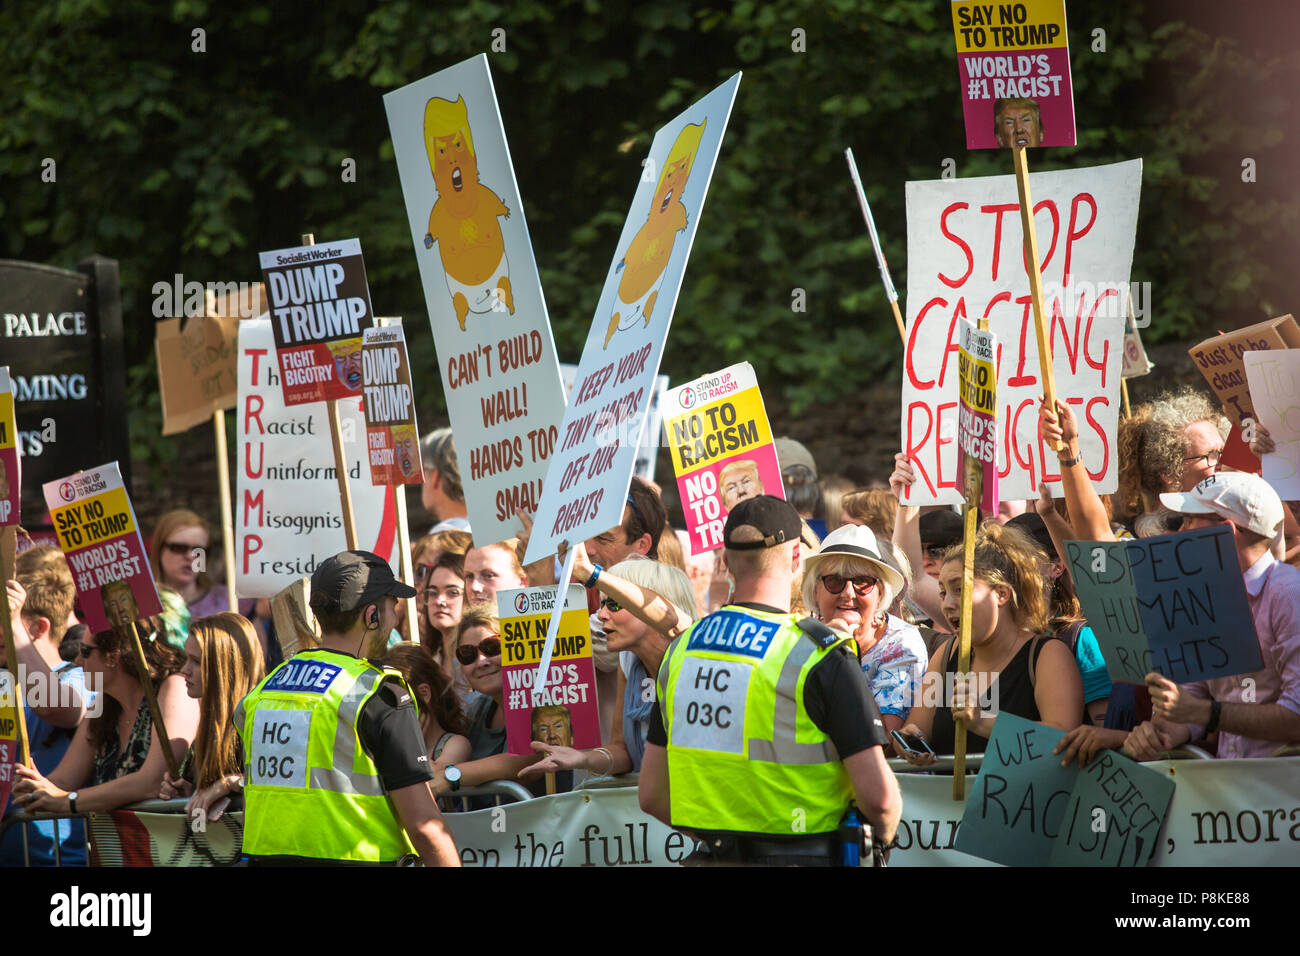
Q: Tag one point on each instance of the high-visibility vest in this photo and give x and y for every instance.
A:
(743, 754)
(311, 790)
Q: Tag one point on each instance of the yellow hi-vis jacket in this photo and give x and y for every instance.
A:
(311, 790)
(743, 755)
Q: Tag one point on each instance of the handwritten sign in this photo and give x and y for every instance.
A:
(967, 235)
(1274, 380)
(287, 513)
(977, 411)
(584, 491)
(1014, 63)
(1175, 604)
(563, 711)
(100, 537)
(1027, 810)
(392, 436)
(721, 445)
(320, 305)
(496, 354)
(1219, 359)
(10, 477)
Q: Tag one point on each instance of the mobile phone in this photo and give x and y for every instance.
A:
(913, 743)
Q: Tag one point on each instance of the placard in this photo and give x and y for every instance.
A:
(392, 435)
(100, 537)
(966, 248)
(1219, 359)
(490, 327)
(647, 452)
(319, 305)
(1027, 810)
(287, 513)
(1175, 604)
(564, 712)
(10, 473)
(8, 734)
(586, 481)
(977, 411)
(1274, 382)
(722, 450)
(1013, 60)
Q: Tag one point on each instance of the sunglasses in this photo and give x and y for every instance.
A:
(468, 653)
(184, 550)
(835, 584)
(87, 650)
(613, 606)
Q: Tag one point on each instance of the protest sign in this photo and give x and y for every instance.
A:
(319, 305)
(964, 233)
(490, 327)
(1014, 63)
(586, 482)
(10, 478)
(722, 450)
(977, 411)
(1027, 810)
(1136, 362)
(1174, 604)
(1274, 380)
(8, 733)
(288, 515)
(1219, 360)
(647, 452)
(392, 436)
(100, 537)
(196, 360)
(563, 712)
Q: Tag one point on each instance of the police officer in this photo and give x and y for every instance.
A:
(764, 730)
(334, 761)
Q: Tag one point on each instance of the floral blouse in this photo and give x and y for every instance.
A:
(894, 667)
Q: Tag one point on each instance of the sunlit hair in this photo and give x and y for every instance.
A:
(510, 547)
(230, 660)
(50, 594)
(848, 566)
(671, 551)
(665, 580)
(1151, 445)
(479, 615)
(877, 509)
(419, 667)
(834, 490)
(168, 524)
(1008, 556)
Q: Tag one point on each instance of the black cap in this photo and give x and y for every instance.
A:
(774, 518)
(1032, 524)
(940, 529)
(353, 579)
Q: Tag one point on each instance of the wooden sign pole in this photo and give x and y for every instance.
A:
(974, 485)
(1041, 330)
(129, 631)
(8, 549)
(227, 519)
(340, 460)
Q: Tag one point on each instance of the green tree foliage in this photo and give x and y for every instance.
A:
(172, 160)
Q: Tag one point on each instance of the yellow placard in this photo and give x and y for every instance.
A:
(718, 430)
(998, 27)
(8, 423)
(978, 381)
(522, 638)
(93, 520)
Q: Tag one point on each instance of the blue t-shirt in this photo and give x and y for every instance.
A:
(48, 745)
(1092, 667)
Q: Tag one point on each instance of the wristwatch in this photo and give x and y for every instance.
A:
(453, 775)
(72, 802)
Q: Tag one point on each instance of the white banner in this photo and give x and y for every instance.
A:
(965, 260)
(490, 327)
(287, 512)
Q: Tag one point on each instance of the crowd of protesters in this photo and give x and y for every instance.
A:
(885, 573)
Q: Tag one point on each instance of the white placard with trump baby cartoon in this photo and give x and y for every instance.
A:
(586, 482)
(490, 326)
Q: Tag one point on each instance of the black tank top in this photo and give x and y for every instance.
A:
(1013, 691)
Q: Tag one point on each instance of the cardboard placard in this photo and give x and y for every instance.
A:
(1013, 60)
(966, 247)
(722, 450)
(977, 412)
(8, 733)
(392, 435)
(10, 467)
(564, 712)
(586, 482)
(1219, 360)
(287, 510)
(496, 355)
(100, 537)
(1273, 378)
(319, 306)
(1027, 810)
(1175, 604)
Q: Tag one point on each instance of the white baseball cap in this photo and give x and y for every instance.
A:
(1246, 500)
